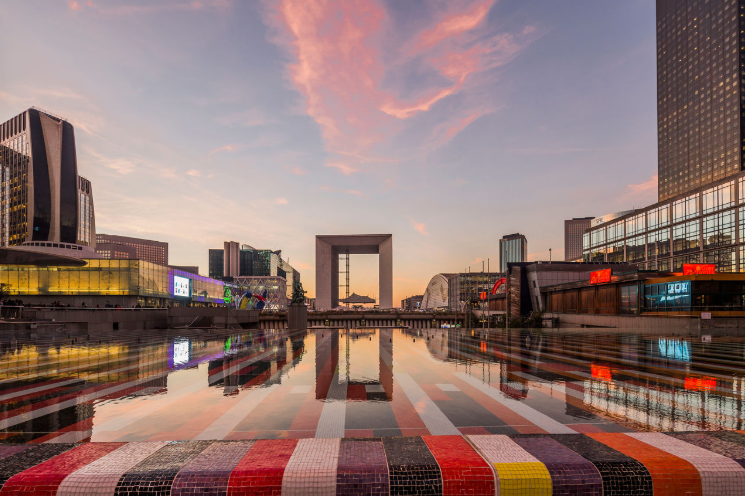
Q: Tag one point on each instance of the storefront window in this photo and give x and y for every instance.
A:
(630, 299)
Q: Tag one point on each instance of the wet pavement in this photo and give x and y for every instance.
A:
(211, 385)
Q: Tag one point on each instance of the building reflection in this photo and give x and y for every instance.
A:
(337, 362)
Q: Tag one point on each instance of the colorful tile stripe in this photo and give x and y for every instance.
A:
(594, 464)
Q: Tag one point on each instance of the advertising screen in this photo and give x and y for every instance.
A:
(181, 286)
(600, 276)
(181, 352)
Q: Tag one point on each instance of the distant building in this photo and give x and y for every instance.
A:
(145, 249)
(512, 248)
(412, 303)
(573, 231)
(436, 294)
(242, 260)
(467, 288)
(43, 201)
(116, 251)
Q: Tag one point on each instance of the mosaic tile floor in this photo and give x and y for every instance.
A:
(190, 385)
(479, 464)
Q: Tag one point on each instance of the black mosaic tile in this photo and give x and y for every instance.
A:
(621, 475)
(155, 474)
(17, 463)
(412, 468)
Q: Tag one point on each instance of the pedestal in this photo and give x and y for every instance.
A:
(297, 317)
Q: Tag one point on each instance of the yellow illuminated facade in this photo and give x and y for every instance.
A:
(101, 277)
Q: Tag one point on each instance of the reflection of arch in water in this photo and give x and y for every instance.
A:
(327, 365)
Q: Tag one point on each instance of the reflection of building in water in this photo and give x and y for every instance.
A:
(90, 369)
(254, 359)
(360, 380)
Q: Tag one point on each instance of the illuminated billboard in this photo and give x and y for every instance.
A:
(600, 276)
(180, 352)
(694, 269)
(181, 287)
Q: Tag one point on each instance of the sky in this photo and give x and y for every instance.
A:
(447, 123)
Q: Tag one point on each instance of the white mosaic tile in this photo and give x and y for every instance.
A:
(448, 387)
(311, 469)
(437, 422)
(302, 389)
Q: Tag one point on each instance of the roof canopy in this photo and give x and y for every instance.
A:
(355, 298)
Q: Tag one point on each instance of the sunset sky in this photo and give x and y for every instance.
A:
(447, 123)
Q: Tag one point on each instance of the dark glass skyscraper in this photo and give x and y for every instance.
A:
(700, 98)
(39, 185)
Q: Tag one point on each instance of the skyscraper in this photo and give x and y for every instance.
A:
(40, 190)
(573, 231)
(699, 93)
(512, 248)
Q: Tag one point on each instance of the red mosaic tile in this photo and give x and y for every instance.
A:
(44, 479)
(260, 472)
(356, 392)
(463, 470)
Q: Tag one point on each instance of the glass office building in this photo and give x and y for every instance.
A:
(700, 52)
(704, 226)
(512, 249)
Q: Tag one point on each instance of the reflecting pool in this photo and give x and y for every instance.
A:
(207, 384)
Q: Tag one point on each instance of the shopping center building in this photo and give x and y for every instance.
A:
(42, 278)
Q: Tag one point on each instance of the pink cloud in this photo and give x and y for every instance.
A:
(342, 167)
(449, 130)
(643, 188)
(72, 5)
(421, 228)
(339, 67)
(455, 23)
(226, 148)
(354, 192)
(153, 7)
(298, 171)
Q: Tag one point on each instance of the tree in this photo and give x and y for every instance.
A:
(4, 291)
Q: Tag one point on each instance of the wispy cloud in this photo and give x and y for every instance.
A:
(119, 165)
(354, 192)
(641, 192)
(280, 201)
(298, 171)
(419, 227)
(342, 167)
(550, 151)
(150, 7)
(225, 148)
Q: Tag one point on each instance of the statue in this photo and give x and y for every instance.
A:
(298, 294)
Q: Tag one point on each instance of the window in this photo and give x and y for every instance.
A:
(585, 241)
(615, 253)
(658, 217)
(685, 208)
(598, 237)
(658, 244)
(629, 299)
(635, 225)
(686, 237)
(615, 231)
(686, 259)
(723, 259)
(719, 197)
(719, 229)
(635, 248)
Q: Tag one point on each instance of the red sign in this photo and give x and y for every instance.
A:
(483, 295)
(600, 276)
(695, 269)
(700, 383)
(497, 284)
(600, 372)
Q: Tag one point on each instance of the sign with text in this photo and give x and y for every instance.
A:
(695, 269)
(181, 286)
(700, 383)
(600, 276)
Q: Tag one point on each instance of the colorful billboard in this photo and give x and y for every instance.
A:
(181, 287)
(600, 276)
(695, 269)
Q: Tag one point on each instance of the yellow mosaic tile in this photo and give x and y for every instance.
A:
(523, 479)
